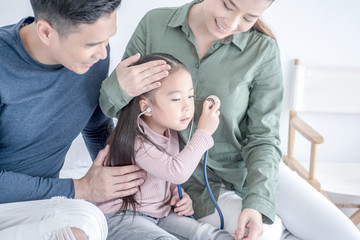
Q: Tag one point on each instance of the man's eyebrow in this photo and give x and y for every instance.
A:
(91, 44)
(234, 5)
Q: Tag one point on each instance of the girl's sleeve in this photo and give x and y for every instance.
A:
(174, 189)
(175, 169)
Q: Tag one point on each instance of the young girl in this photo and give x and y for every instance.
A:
(146, 135)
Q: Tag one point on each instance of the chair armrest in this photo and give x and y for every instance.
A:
(297, 124)
(294, 165)
(306, 130)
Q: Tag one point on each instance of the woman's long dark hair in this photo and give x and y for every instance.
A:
(122, 139)
(261, 26)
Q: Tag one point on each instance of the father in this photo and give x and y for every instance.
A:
(51, 70)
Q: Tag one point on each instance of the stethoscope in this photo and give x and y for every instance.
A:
(213, 99)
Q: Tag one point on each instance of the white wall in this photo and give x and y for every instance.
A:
(318, 32)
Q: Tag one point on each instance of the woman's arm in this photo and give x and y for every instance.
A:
(261, 153)
(126, 81)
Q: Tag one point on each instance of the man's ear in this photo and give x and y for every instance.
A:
(145, 106)
(45, 31)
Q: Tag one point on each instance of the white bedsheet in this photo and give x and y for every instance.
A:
(77, 161)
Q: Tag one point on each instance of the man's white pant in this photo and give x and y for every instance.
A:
(302, 210)
(51, 219)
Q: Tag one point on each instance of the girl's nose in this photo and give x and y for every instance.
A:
(187, 104)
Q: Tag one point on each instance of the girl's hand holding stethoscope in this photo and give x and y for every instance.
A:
(209, 119)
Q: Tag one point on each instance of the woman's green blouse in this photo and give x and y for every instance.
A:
(244, 71)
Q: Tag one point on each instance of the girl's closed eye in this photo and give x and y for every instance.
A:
(175, 99)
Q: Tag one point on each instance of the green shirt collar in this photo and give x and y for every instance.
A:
(179, 19)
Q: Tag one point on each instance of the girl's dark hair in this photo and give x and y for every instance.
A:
(122, 139)
(66, 15)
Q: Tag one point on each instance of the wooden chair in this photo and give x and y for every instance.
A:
(325, 90)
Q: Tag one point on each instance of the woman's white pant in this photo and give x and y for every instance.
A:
(51, 219)
(301, 210)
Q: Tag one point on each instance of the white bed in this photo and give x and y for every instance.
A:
(77, 161)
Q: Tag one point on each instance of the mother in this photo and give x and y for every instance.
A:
(232, 54)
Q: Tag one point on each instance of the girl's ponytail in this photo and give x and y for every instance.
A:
(122, 143)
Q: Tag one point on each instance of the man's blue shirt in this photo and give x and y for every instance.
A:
(43, 108)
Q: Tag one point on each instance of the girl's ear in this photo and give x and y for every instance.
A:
(145, 106)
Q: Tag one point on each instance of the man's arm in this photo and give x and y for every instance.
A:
(126, 82)
(15, 187)
(102, 183)
(98, 185)
(96, 132)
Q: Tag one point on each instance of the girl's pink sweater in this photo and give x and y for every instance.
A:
(164, 169)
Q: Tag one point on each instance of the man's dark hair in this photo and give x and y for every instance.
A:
(66, 15)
